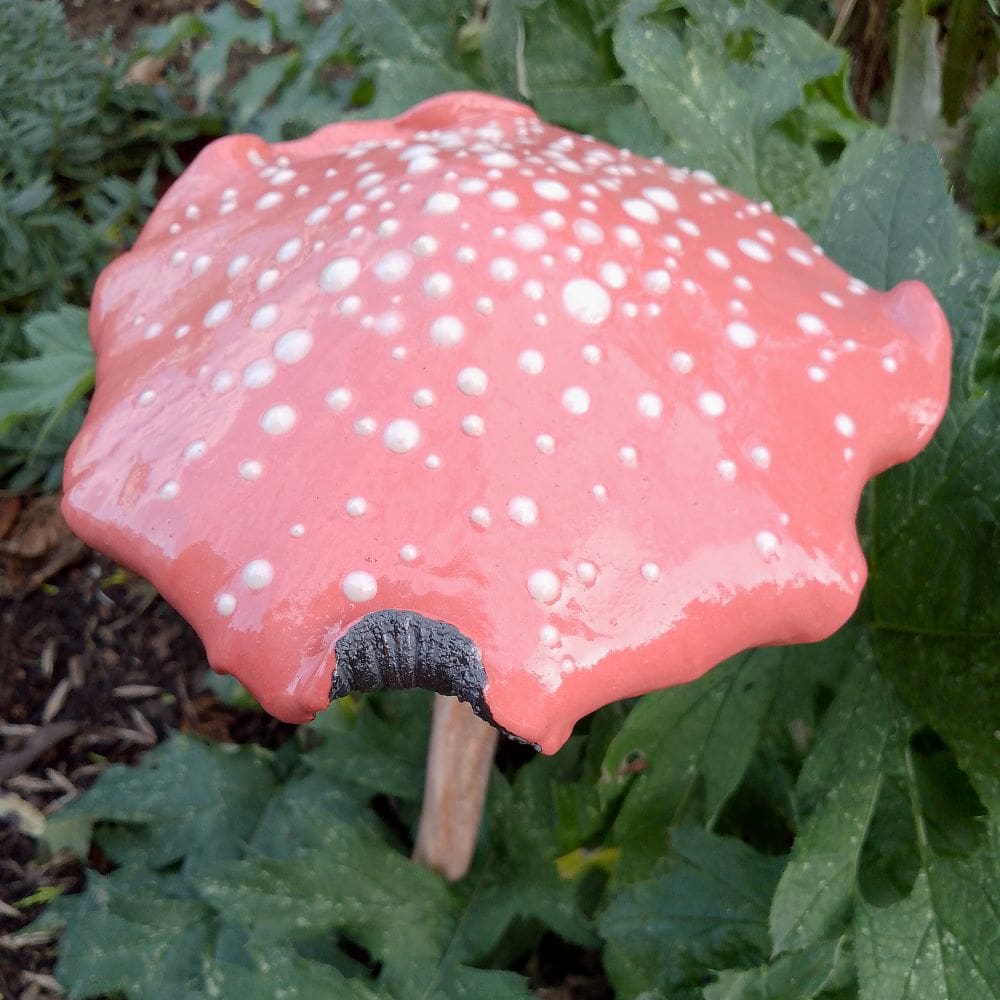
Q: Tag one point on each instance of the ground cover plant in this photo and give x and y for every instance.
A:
(817, 821)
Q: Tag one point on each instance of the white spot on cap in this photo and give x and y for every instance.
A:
(278, 419)
(251, 470)
(409, 553)
(218, 313)
(438, 285)
(356, 507)
(293, 346)
(657, 281)
(832, 300)
(741, 334)
(480, 516)
(753, 249)
(473, 425)
(717, 258)
(650, 572)
(394, 266)
(550, 636)
(503, 269)
(147, 397)
(766, 543)
(551, 190)
(844, 424)
(544, 586)
(237, 265)
(225, 604)
(503, 199)
(264, 317)
(587, 231)
(641, 210)
(890, 365)
(628, 456)
(576, 400)
(424, 246)
(442, 203)
(523, 511)
(800, 256)
(816, 373)
(359, 586)
(528, 237)
(681, 362)
(585, 300)
(808, 323)
(288, 250)
(340, 274)
(257, 574)
(472, 381)
(586, 572)
(424, 398)
(649, 404)
(727, 469)
(662, 197)
(339, 399)
(200, 264)
(401, 435)
(545, 443)
(613, 274)
(297, 530)
(446, 331)
(195, 450)
(711, 403)
(170, 489)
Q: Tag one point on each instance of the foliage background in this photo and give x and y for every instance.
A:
(817, 821)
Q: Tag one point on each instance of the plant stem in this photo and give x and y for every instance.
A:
(459, 759)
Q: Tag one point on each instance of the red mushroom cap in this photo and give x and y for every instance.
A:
(607, 418)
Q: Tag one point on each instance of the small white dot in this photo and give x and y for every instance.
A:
(225, 604)
(297, 530)
(409, 553)
(600, 491)
(754, 250)
(649, 404)
(278, 419)
(628, 456)
(800, 256)
(218, 313)
(531, 362)
(650, 572)
(641, 210)
(473, 425)
(446, 331)
(727, 469)
(340, 274)
(613, 275)
(393, 266)
(760, 456)
(480, 516)
(195, 450)
(147, 397)
(424, 398)
(264, 317)
(251, 470)
(657, 281)
(844, 424)
(170, 489)
(339, 399)
(424, 246)
(438, 285)
(551, 190)
(586, 301)
(810, 324)
(433, 461)
(257, 574)
(549, 636)
(586, 572)
(890, 365)
(356, 507)
(401, 435)
(717, 258)
(816, 373)
(269, 200)
(544, 586)
(523, 511)
(237, 265)
(835, 301)
(591, 354)
(545, 443)
(766, 543)
(576, 400)
(359, 586)
(741, 334)
(200, 264)
(587, 231)
(293, 346)
(288, 250)
(473, 381)
(442, 203)
(681, 362)
(712, 404)
(503, 199)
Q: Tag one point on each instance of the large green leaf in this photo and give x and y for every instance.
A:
(710, 911)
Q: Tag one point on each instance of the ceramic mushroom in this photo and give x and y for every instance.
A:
(467, 401)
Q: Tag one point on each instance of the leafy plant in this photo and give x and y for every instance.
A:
(816, 821)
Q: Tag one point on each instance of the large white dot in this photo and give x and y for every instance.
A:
(586, 572)
(712, 404)
(359, 586)
(278, 419)
(264, 316)
(257, 574)
(662, 197)
(575, 400)
(401, 435)
(442, 203)
(473, 425)
(218, 313)
(356, 507)
(340, 274)
(766, 543)
(544, 586)
(523, 510)
(293, 346)
(585, 300)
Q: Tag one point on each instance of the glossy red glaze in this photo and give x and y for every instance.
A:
(606, 417)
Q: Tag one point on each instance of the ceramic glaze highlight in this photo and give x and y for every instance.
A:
(607, 418)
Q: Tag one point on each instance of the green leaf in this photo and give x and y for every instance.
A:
(62, 373)
(701, 734)
(186, 801)
(710, 911)
(838, 788)
(892, 217)
(131, 933)
(984, 153)
(940, 942)
(797, 975)
(716, 109)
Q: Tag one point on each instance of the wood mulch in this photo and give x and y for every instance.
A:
(95, 668)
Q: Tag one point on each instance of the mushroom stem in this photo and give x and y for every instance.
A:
(461, 753)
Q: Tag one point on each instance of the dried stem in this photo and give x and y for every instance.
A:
(458, 772)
